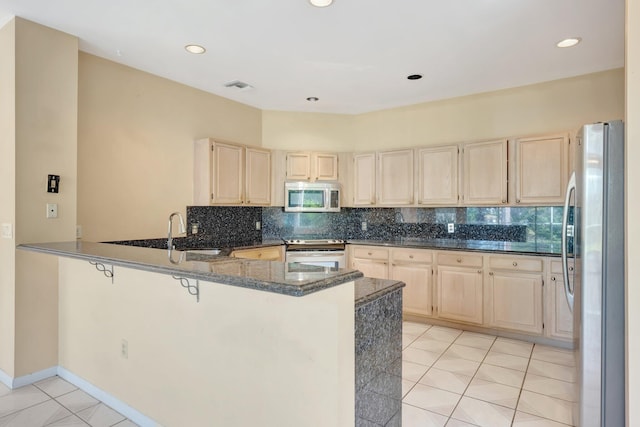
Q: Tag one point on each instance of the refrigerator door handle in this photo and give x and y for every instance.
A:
(568, 292)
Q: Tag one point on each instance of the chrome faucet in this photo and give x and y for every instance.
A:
(181, 228)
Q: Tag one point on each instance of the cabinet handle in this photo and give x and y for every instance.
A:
(459, 260)
(479, 271)
(410, 256)
(570, 268)
(491, 273)
(369, 253)
(504, 201)
(553, 279)
(515, 264)
(517, 200)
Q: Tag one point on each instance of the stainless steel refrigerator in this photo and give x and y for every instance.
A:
(595, 287)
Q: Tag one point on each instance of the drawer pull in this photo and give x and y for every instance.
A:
(491, 273)
(479, 271)
(515, 264)
(553, 279)
(369, 253)
(459, 260)
(570, 268)
(410, 256)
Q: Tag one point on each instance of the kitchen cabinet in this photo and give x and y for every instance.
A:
(414, 268)
(395, 178)
(312, 166)
(364, 179)
(438, 175)
(372, 261)
(266, 253)
(514, 293)
(484, 173)
(559, 318)
(231, 174)
(541, 169)
(459, 288)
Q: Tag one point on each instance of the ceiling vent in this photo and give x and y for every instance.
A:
(237, 84)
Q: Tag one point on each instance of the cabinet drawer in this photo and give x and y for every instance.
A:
(271, 253)
(458, 259)
(556, 266)
(371, 253)
(411, 255)
(515, 263)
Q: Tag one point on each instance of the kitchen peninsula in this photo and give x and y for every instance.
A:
(195, 340)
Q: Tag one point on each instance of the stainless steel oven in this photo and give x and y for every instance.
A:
(324, 253)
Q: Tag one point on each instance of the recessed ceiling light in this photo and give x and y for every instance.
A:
(321, 3)
(415, 77)
(194, 48)
(313, 99)
(569, 42)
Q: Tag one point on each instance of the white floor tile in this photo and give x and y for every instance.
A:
(550, 387)
(126, 423)
(546, 407)
(432, 399)
(491, 392)
(446, 380)
(507, 361)
(458, 365)
(42, 414)
(417, 355)
(4, 390)
(414, 328)
(457, 423)
(55, 386)
(472, 339)
(523, 419)
(407, 339)
(441, 333)
(553, 355)
(72, 421)
(464, 352)
(483, 414)
(552, 370)
(431, 344)
(413, 371)
(500, 375)
(513, 347)
(407, 386)
(101, 415)
(416, 417)
(77, 400)
(21, 398)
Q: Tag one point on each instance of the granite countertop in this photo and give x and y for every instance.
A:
(368, 289)
(289, 279)
(515, 248)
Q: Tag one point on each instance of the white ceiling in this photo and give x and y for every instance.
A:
(354, 55)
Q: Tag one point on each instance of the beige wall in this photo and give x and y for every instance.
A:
(7, 195)
(135, 151)
(633, 209)
(39, 121)
(547, 107)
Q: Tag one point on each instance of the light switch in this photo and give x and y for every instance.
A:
(7, 230)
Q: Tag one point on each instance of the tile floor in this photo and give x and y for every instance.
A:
(450, 378)
(457, 378)
(55, 402)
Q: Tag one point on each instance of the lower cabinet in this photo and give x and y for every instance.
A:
(266, 253)
(559, 319)
(372, 261)
(460, 287)
(413, 267)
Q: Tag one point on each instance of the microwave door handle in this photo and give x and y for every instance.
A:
(568, 292)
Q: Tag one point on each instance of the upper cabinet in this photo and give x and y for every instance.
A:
(308, 166)
(231, 174)
(395, 178)
(438, 175)
(541, 169)
(364, 179)
(484, 173)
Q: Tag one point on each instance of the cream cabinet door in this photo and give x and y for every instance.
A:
(542, 169)
(418, 293)
(395, 178)
(371, 268)
(298, 166)
(258, 177)
(515, 301)
(438, 175)
(559, 320)
(364, 179)
(325, 167)
(459, 294)
(227, 173)
(485, 173)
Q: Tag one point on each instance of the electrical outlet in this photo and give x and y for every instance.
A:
(124, 349)
(258, 225)
(451, 227)
(52, 210)
(7, 230)
(363, 225)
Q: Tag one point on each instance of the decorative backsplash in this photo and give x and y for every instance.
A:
(238, 224)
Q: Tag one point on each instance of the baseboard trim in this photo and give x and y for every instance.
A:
(84, 385)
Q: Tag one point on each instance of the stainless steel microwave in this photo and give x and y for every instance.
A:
(312, 197)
